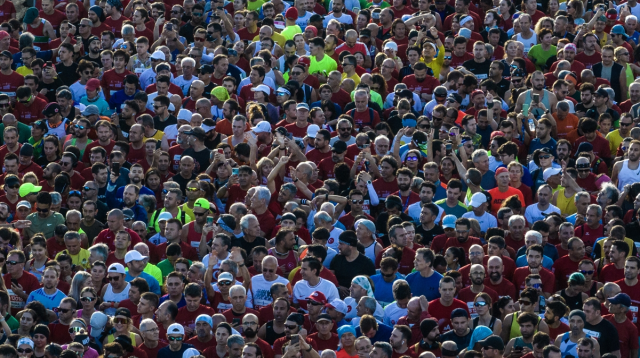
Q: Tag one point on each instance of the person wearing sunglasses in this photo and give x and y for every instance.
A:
(512, 323)
(25, 346)
(116, 290)
(61, 329)
(177, 346)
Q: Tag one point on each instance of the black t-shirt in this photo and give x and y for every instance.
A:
(427, 236)
(248, 246)
(345, 271)
(161, 125)
(503, 87)
(67, 74)
(201, 158)
(96, 61)
(606, 335)
(182, 181)
(593, 113)
(52, 87)
(481, 70)
(461, 342)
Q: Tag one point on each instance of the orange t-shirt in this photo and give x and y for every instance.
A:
(497, 197)
(565, 126)
(224, 127)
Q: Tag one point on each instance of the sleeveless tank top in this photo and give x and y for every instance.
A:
(514, 331)
(193, 236)
(73, 142)
(520, 342)
(627, 176)
(110, 296)
(60, 130)
(289, 262)
(528, 43)
(544, 99)
(567, 347)
(271, 335)
(40, 42)
(491, 323)
(370, 251)
(566, 205)
(572, 302)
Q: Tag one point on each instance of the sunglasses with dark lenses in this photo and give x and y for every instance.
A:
(224, 283)
(480, 304)
(5, 105)
(25, 351)
(77, 126)
(447, 57)
(587, 272)
(86, 188)
(64, 310)
(291, 328)
(87, 299)
(199, 214)
(524, 303)
(622, 124)
(176, 339)
(120, 320)
(198, 39)
(313, 303)
(13, 262)
(113, 278)
(353, 201)
(544, 157)
(344, 129)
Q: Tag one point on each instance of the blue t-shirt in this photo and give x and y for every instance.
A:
(427, 286)
(383, 293)
(521, 261)
(154, 286)
(536, 144)
(166, 352)
(49, 301)
(180, 304)
(382, 335)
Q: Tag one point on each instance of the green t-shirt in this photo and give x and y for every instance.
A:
(327, 64)
(255, 5)
(24, 133)
(12, 322)
(45, 226)
(166, 268)
(290, 31)
(375, 97)
(539, 57)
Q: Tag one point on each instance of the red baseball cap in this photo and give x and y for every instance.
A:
(291, 14)
(319, 297)
(501, 170)
(304, 60)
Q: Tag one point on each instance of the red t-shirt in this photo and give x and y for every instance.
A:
(55, 19)
(153, 352)
(443, 314)
(348, 220)
(244, 34)
(188, 319)
(59, 333)
(368, 118)
(86, 158)
(426, 86)
(589, 61)
(589, 235)
(201, 346)
(322, 344)
(107, 237)
(12, 206)
(562, 329)
(384, 189)
(611, 274)
(6, 10)
(405, 266)
(548, 279)
(296, 131)
(29, 284)
(235, 195)
(234, 318)
(412, 198)
(341, 98)
(112, 81)
(188, 252)
(115, 26)
(327, 165)
(10, 83)
(627, 335)
(505, 288)
(316, 156)
(459, 60)
(467, 296)
(562, 269)
(28, 115)
(175, 153)
(267, 221)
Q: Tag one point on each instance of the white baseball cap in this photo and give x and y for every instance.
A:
(312, 130)
(117, 268)
(263, 88)
(133, 255)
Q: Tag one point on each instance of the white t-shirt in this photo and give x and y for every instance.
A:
(302, 290)
(333, 238)
(184, 84)
(261, 290)
(486, 221)
(351, 309)
(392, 314)
(344, 19)
(533, 214)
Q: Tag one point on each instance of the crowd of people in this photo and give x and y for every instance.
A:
(319, 179)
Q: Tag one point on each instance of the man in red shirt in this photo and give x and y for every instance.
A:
(387, 183)
(298, 129)
(115, 223)
(398, 237)
(29, 107)
(534, 265)
(468, 294)
(49, 13)
(421, 83)
(321, 149)
(462, 238)
(442, 307)
(10, 79)
(20, 282)
(629, 283)
(251, 29)
(568, 264)
(618, 306)
(236, 188)
(590, 231)
(259, 207)
(327, 165)
(187, 315)
(615, 270)
(324, 338)
(404, 178)
(103, 130)
(113, 79)
(235, 315)
(150, 333)
(363, 116)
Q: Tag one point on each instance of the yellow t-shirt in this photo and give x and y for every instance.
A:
(81, 259)
(157, 136)
(23, 70)
(327, 64)
(615, 140)
(355, 78)
(277, 38)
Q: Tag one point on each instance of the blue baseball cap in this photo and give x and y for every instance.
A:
(449, 222)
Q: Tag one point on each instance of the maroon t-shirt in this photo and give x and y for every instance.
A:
(443, 314)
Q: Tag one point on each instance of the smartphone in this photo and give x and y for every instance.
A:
(525, 109)
(518, 348)
(221, 151)
(448, 146)
(209, 220)
(169, 27)
(235, 322)
(536, 98)
(295, 339)
(115, 168)
(235, 171)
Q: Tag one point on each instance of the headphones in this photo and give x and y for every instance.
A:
(73, 157)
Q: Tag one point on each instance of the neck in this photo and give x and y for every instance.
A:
(150, 344)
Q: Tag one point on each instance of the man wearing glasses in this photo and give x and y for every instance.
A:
(116, 290)
(175, 336)
(44, 220)
(60, 328)
(18, 281)
(151, 334)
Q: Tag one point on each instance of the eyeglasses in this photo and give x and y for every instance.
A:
(412, 159)
(480, 304)
(198, 14)
(524, 303)
(447, 57)
(156, 329)
(624, 54)
(65, 163)
(14, 262)
(424, 126)
(291, 328)
(346, 64)
(75, 329)
(113, 278)
(354, 201)
(199, 214)
(27, 350)
(87, 299)
(586, 272)
(64, 310)
(121, 320)
(177, 339)
(296, 73)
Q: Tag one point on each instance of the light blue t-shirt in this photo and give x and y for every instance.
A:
(547, 262)
(154, 286)
(383, 293)
(424, 286)
(49, 301)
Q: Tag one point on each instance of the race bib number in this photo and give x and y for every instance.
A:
(593, 334)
